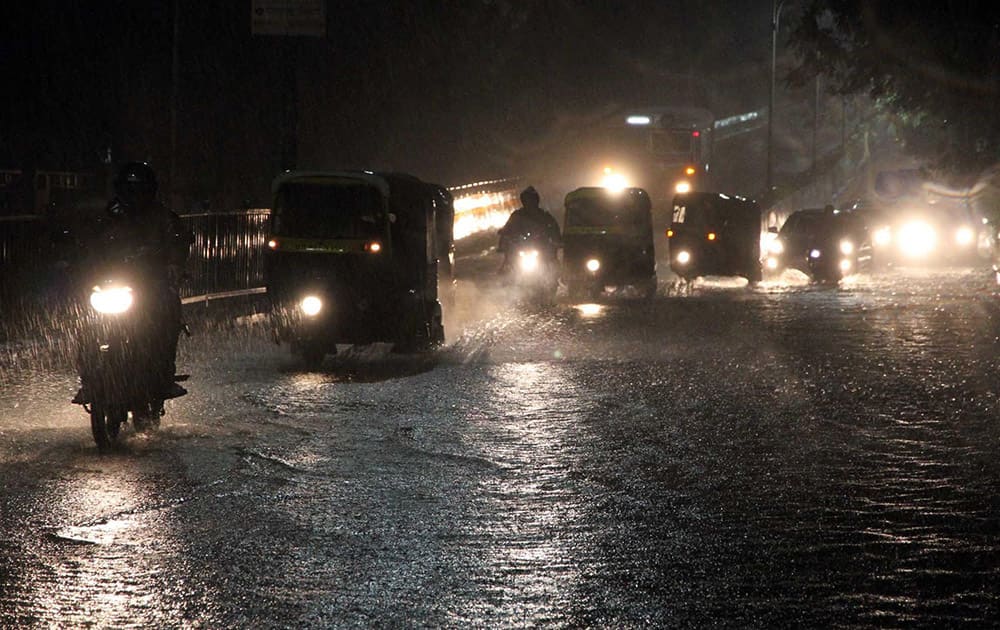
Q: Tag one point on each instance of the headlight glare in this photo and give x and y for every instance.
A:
(593, 265)
(111, 300)
(311, 305)
(846, 247)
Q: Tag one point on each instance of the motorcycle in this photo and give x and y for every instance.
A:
(125, 347)
(533, 268)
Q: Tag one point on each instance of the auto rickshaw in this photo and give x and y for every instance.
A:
(608, 241)
(356, 258)
(713, 234)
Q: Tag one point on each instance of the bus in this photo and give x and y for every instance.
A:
(664, 150)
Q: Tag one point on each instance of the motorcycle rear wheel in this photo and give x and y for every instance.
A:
(106, 424)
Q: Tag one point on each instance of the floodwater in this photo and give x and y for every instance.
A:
(777, 456)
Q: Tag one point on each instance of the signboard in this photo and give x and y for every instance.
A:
(288, 17)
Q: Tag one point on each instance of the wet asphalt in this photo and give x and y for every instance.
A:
(720, 456)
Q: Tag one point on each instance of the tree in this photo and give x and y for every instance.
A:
(932, 66)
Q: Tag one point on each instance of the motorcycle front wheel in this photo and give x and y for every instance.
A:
(106, 424)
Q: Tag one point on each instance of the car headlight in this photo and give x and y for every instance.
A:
(917, 239)
(964, 236)
(846, 247)
(311, 305)
(528, 260)
(111, 300)
(683, 257)
(882, 236)
(593, 265)
(776, 247)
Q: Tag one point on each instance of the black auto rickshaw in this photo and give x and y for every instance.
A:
(608, 241)
(713, 234)
(354, 259)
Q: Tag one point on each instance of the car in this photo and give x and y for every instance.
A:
(824, 243)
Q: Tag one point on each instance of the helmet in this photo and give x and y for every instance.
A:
(135, 178)
(530, 193)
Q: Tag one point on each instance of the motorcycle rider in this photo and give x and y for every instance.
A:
(138, 225)
(530, 218)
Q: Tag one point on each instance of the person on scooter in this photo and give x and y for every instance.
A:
(529, 219)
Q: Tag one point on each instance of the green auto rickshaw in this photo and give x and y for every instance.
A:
(356, 258)
(608, 241)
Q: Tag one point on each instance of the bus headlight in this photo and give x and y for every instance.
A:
(311, 305)
(111, 300)
(593, 265)
(613, 180)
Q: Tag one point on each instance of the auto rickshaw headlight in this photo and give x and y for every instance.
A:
(593, 265)
(683, 257)
(846, 247)
(311, 305)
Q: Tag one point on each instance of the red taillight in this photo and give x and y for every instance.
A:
(695, 134)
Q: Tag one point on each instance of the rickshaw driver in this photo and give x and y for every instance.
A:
(530, 218)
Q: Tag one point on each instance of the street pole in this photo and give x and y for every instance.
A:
(174, 96)
(775, 14)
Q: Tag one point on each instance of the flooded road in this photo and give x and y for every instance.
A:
(783, 456)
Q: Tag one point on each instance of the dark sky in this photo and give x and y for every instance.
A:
(451, 91)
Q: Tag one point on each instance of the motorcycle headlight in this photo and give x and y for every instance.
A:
(815, 253)
(311, 305)
(683, 257)
(528, 260)
(593, 265)
(111, 300)
(846, 247)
